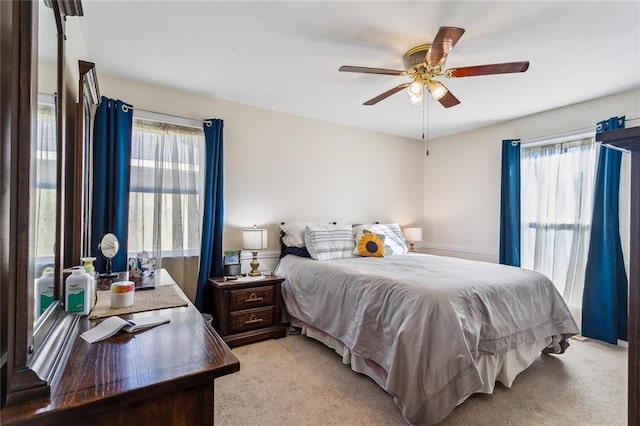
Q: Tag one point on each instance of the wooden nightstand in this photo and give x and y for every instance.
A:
(248, 311)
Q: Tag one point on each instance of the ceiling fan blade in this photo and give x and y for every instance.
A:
(445, 40)
(367, 70)
(386, 94)
(504, 68)
(448, 100)
(441, 94)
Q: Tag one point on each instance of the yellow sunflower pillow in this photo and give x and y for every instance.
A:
(369, 244)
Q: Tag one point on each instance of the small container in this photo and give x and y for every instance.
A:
(78, 292)
(122, 294)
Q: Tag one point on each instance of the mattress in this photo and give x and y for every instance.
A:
(427, 328)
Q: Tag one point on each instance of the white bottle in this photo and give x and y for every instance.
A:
(91, 270)
(77, 298)
(44, 290)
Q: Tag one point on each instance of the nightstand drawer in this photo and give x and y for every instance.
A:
(251, 319)
(251, 298)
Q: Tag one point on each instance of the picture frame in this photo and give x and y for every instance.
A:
(231, 257)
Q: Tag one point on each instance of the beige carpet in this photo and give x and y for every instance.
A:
(298, 381)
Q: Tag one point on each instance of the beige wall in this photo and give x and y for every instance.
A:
(462, 175)
(281, 167)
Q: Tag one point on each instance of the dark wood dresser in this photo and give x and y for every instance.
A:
(161, 376)
(248, 311)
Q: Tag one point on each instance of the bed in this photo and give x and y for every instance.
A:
(429, 330)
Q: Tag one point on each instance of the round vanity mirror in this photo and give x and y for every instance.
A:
(109, 247)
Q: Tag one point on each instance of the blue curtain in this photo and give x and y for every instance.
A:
(111, 171)
(510, 203)
(212, 222)
(604, 301)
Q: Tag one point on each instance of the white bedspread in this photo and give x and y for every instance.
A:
(425, 319)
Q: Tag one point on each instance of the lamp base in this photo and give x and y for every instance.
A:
(411, 243)
(254, 265)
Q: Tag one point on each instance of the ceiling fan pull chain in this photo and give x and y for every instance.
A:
(425, 101)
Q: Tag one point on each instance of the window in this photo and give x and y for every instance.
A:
(167, 179)
(45, 178)
(557, 187)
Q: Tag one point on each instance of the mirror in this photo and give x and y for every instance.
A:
(31, 181)
(31, 351)
(45, 163)
(109, 247)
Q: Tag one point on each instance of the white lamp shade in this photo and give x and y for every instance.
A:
(412, 233)
(254, 239)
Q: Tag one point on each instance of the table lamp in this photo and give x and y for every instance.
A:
(254, 239)
(412, 234)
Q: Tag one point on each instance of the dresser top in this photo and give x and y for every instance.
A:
(184, 351)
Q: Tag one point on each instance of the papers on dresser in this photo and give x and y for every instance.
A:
(112, 325)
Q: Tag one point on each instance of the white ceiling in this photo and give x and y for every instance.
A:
(284, 56)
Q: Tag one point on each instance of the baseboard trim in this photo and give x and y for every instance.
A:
(463, 252)
(456, 249)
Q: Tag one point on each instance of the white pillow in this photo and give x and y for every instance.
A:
(326, 242)
(394, 242)
(293, 234)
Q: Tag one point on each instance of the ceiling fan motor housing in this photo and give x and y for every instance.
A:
(415, 66)
(415, 56)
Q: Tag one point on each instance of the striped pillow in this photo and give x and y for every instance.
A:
(326, 242)
(394, 242)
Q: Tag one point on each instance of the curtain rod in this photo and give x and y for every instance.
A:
(126, 108)
(569, 133)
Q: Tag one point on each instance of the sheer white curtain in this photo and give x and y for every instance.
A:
(557, 187)
(46, 180)
(167, 181)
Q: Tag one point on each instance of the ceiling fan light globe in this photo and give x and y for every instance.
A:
(436, 89)
(415, 89)
(416, 92)
(415, 99)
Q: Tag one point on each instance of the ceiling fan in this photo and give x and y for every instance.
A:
(425, 62)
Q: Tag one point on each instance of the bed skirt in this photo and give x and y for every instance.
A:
(493, 368)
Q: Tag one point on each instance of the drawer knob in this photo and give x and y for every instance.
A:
(253, 319)
(253, 298)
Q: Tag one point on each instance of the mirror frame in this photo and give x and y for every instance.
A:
(31, 353)
(88, 99)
